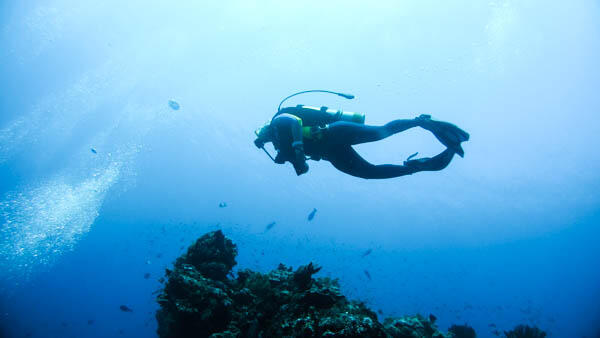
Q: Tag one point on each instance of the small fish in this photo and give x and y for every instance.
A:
(158, 255)
(90, 321)
(174, 105)
(312, 215)
(93, 150)
(222, 205)
(270, 226)
(125, 308)
(147, 275)
(161, 280)
(366, 253)
(492, 325)
(380, 311)
(367, 274)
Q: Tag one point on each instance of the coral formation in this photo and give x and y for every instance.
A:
(462, 331)
(412, 327)
(201, 298)
(524, 331)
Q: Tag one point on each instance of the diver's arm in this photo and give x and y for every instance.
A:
(289, 122)
(294, 125)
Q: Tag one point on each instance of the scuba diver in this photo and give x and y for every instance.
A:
(323, 133)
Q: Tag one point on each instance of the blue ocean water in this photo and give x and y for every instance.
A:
(505, 236)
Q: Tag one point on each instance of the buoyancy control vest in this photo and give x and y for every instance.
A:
(312, 120)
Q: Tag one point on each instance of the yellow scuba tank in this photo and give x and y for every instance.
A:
(336, 115)
(313, 116)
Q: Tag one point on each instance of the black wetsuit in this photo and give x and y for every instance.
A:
(340, 136)
(333, 141)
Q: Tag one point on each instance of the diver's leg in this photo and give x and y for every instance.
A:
(438, 162)
(343, 132)
(347, 160)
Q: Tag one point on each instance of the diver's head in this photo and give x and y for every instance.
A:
(264, 134)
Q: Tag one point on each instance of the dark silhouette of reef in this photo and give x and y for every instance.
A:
(3, 325)
(202, 298)
(462, 331)
(524, 331)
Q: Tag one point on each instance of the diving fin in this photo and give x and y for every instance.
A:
(448, 134)
(411, 156)
(435, 163)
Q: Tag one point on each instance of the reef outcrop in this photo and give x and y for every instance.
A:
(203, 298)
(524, 331)
(462, 331)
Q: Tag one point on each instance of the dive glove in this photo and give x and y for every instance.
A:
(301, 168)
(259, 143)
(299, 163)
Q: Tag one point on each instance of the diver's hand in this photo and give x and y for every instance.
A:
(259, 143)
(301, 168)
(300, 160)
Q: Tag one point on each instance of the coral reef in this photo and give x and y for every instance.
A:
(201, 298)
(412, 327)
(462, 331)
(524, 331)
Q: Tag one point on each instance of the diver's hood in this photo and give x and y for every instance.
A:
(264, 132)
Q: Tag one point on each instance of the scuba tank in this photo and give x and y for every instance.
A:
(313, 120)
(313, 116)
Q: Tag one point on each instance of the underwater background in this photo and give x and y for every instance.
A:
(103, 183)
